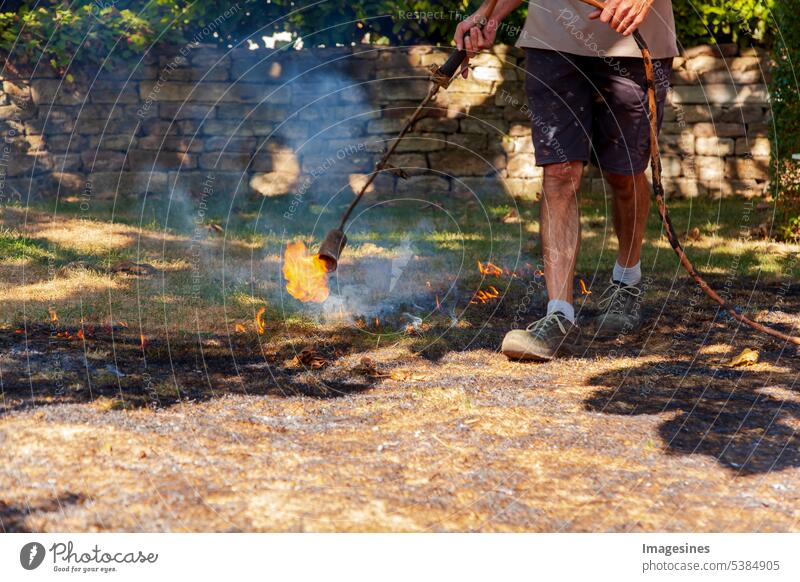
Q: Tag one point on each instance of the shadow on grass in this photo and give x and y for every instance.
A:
(13, 516)
(738, 417)
(115, 371)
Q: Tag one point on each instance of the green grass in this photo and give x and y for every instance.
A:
(16, 247)
(445, 242)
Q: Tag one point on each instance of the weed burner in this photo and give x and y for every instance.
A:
(440, 78)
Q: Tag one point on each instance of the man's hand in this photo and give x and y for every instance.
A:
(470, 37)
(624, 16)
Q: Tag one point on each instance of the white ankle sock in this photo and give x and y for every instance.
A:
(627, 275)
(562, 306)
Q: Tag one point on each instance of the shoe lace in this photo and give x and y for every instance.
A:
(615, 295)
(540, 326)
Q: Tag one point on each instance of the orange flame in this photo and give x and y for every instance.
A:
(485, 296)
(306, 275)
(489, 269)
(80, 335)
(240, 328)
(261, 325)
(53, 315)
(142, 340)
(584, 290)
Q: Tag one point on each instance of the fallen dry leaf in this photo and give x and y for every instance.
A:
(747, 357)
(367, 367)
(511, 217)
(309, 357)
(407, 375)
(137, 269)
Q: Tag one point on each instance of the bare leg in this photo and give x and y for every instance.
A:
(560, 227)
(631, 207)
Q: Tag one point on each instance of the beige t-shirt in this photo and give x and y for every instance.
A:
(564, 25)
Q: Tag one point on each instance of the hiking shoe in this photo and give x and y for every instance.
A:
(544, 339)
(621, 307)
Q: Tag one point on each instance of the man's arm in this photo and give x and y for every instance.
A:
(469, 35)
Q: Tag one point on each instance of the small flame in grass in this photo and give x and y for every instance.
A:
(53, 315)
(484, 296)
(489, 269)
(261, 325)
(80, 335)
(240, 328)
(584, 290)
(306, 275)
(539, 273)
(142, 340)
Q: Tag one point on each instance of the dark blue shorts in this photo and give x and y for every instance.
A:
(592, 108)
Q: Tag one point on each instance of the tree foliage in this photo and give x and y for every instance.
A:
(97, 31)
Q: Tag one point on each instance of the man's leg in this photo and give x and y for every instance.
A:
(620, 303)
(631, 209)
(560, 100)
(560, 225)
(560, 233)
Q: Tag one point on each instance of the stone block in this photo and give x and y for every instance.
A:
(426, 142)
(523, 166)
(49, 91)
(423, 185)
(468, 141)
(179, 111)
(225, 161)
(109, 185)
(230, 144)
(273, 183)
(171, 143)
(709, 168)
(682, 143)
(114, 92)
(704, 63)
(104, 161)
(714, 146)
(759, 147)
(683, 188)
(459, 162)
(208, 184)
(146, 161)
(720, 94)
(747, 168)
(705, 129)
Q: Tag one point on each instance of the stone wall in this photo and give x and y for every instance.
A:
(315, 121)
